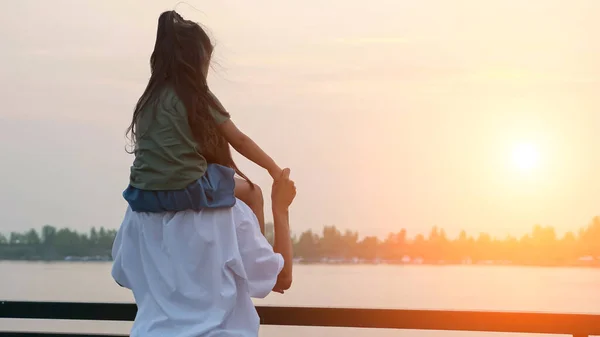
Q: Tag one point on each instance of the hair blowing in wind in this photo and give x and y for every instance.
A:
(180, 59)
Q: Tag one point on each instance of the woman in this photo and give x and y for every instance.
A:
(193, 273)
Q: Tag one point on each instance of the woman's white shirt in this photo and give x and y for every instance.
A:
(194, 273)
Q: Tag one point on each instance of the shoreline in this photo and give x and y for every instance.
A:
(593, 264)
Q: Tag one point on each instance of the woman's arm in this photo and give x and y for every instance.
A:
(282, 195)
(267, 268)
(283, 246)
(248, 148)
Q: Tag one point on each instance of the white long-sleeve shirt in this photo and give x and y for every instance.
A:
(193, 273)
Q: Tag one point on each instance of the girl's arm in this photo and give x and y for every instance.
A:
(248, 148)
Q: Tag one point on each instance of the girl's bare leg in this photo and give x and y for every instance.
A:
(252, 197)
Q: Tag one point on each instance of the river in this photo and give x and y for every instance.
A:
(501, 288)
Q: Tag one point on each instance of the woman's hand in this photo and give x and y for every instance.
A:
(283, 191)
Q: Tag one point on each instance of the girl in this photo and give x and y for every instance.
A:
(181, 133)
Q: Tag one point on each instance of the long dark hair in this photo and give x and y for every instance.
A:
(180, 58)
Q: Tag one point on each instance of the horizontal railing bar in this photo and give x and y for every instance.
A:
(570, 324)
(52, 334)
(68, 311)
(434, 320)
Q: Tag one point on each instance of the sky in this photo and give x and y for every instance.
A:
(464, 114)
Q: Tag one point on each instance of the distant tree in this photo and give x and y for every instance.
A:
(463, 247)
(308, 245)
(331, 243)
(419, 247)
(349, 244)
(16, 238)
(590, 238)
(48, 235)
(32, 237)
(395, 246)
(483, 247)
(568, 246)
(94, 238)
(68, 243)
(436, 245)
(368, 248)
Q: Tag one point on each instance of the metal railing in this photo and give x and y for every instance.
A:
(577, 325)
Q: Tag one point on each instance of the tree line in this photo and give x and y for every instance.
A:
(541, 246)
(57, 244)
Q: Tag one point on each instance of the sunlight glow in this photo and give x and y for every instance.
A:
(525, 157)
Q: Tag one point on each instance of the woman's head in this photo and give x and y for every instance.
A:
(180, 60)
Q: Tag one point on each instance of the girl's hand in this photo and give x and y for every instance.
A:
(275, 172)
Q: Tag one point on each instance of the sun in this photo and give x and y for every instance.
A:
(525, 157)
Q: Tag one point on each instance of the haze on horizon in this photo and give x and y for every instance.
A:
(462, 114)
